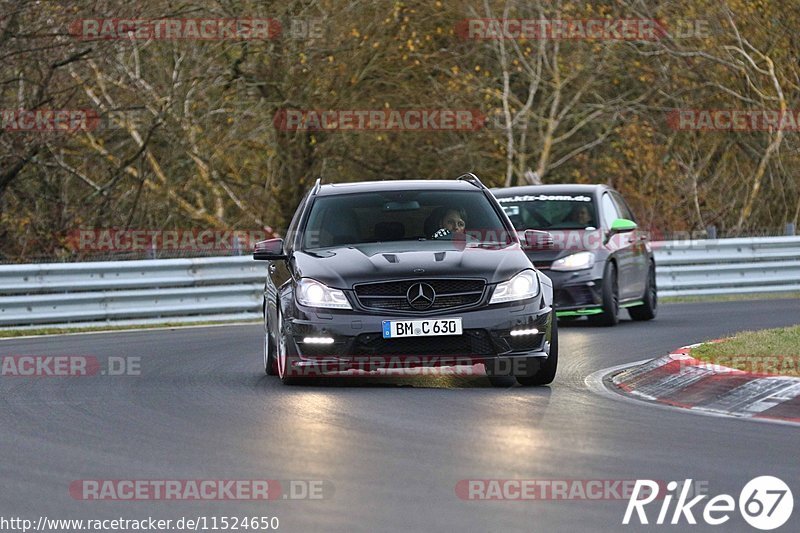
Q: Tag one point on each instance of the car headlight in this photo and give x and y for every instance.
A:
(312, 293)
(578, 261)
(522, 286)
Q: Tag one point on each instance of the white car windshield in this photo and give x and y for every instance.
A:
(550, 211)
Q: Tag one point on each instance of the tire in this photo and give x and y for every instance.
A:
(610, 315)
(281, 355)
(547, 371)
(648, 310)
(270, 363)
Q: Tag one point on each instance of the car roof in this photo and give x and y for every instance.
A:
(565, 188)
(331, 189)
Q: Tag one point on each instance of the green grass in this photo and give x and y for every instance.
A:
(8, 333)
(770, 351)
(731, 297)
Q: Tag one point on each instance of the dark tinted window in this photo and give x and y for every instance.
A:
(352, 219)
(622, 207)
(610, 212)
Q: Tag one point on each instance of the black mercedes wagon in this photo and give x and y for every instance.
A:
(406, 274)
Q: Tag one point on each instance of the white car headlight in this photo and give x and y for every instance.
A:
(522, 286)
(312, 293)
(578, 261)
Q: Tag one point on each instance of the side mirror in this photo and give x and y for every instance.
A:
(538, 240)
(623, 225)
(269, 250)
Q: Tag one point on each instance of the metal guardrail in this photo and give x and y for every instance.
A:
(230, 288)
(119, 292)
(728, 266)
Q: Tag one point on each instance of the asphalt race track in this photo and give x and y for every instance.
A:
(391, 450)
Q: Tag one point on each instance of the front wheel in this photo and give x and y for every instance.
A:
(280, 355)
(649, 307)
(286, 372)
(270, 363)
(547, 372)
(610, 308)
(503, 374)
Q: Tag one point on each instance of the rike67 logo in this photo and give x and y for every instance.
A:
(765, 502)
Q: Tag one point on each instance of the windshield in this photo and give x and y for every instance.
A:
(361, 218)
(550, 211)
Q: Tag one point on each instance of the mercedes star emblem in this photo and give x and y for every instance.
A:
(421, 296)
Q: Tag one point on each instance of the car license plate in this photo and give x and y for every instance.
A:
(421, 328)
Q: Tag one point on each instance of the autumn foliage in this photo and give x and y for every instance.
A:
(184, 135)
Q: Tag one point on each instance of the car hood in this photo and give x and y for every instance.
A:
(344, 267)
(567, 242)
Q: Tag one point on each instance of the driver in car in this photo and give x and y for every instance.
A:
(449, 221)
(581, 215)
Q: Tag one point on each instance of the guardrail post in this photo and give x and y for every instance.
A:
(790, 229)
(712, 232)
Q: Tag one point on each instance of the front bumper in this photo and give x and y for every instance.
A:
(358, 342)
(576, 293)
